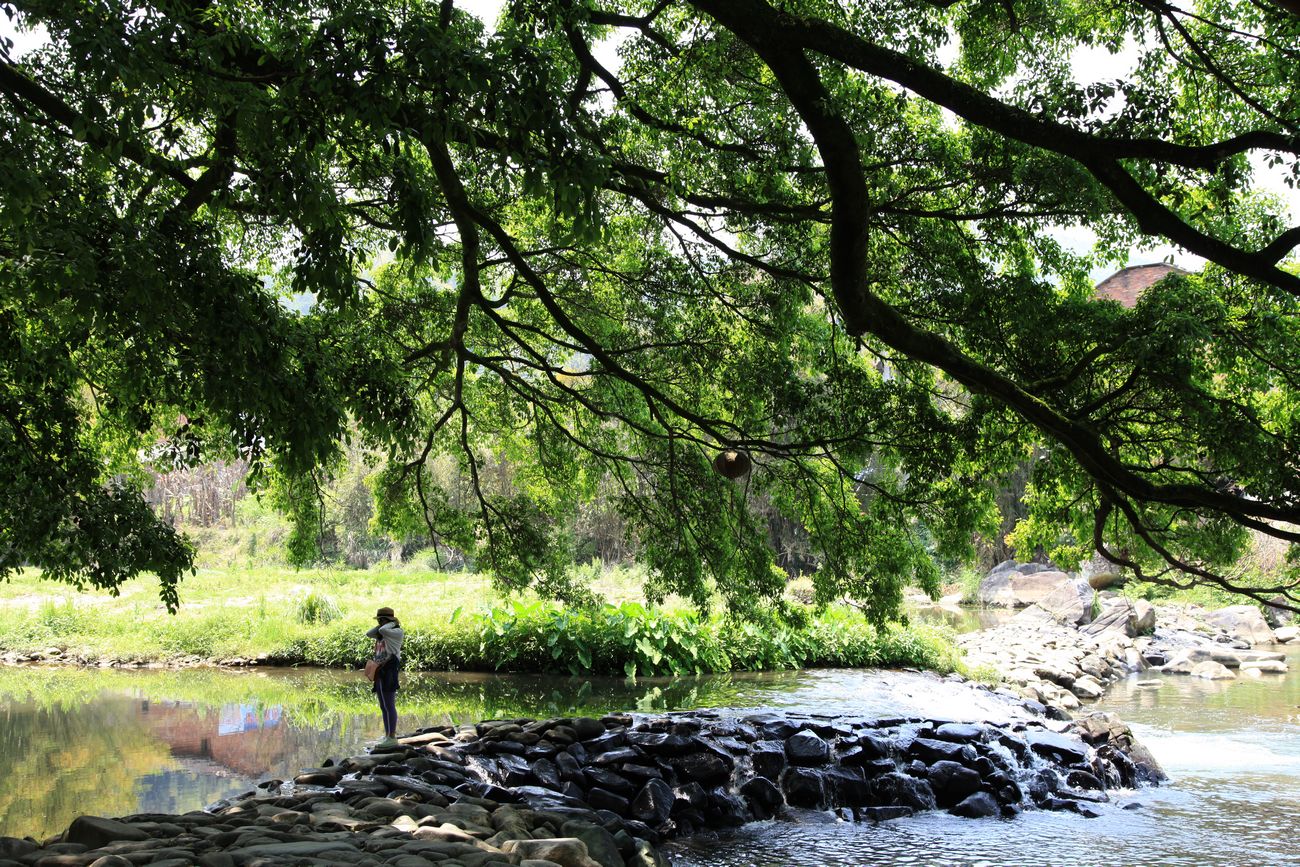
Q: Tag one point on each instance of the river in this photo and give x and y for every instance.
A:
(117, 742)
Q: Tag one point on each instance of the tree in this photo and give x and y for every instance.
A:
(815, 233)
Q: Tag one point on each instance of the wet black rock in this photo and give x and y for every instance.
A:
(1057, 746)
(903, 790)
(884, 814)
(979, 805)
(613, 782)
(930, 751)
(807, 749)
(705, 768)
(654, 803)
(805, 787)
(951, 782)
(959, 732)
(763, 796)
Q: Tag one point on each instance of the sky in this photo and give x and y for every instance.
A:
(1090, 64)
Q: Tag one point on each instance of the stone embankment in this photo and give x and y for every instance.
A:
(607, 793)
(1073, 640)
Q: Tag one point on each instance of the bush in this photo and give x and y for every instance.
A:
(317, 608)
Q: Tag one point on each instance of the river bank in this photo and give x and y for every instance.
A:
(321, 620)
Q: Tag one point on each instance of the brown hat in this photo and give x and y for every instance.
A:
(384, 612)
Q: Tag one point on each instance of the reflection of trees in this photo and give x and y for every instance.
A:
(57, 763)
(321, 699)
(114, 742)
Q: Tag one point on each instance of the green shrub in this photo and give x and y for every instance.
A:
(317, 608)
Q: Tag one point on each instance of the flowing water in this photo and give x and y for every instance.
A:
(118, 742)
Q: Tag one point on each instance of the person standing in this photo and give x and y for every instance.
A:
(388, 637)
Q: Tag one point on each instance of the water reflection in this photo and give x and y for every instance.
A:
(118, 742)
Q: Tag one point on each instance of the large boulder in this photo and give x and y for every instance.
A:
(1144, 617)
(995, 587)
(95, 832)
(1013, 585)
(1276, 615)
(1117, 614)
(1245, 622)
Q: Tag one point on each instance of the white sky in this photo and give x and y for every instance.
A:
(1090, 65)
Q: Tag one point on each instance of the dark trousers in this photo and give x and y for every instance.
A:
(386, 689)
(388, 707)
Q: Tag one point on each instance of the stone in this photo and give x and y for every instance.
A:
(1088, 688)
(951, 782)
(604, 799)
(587, 728)
(1211, 670)
(1116, 615)
(1287, 634)
(930, 751)
(725, 809)
(849, 786)
(601, 846)
(1144, 617)
(607, 779)
(895, 789)
(1104, 580)
(763, 797)
(768, 761)
(962, 733)
(1276, 614)
(653, 804)
(111, 861)
(1069, 599)
(15, 847)
(805, 787)
(1065, 749)
(884, 814)
(564, 851)
(1245, 622)
(979, 805)
(705, 768)
(95, 832)
(645, 855)
(1267, 666)
(806, 748)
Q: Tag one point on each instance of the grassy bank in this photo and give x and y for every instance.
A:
(453, 621)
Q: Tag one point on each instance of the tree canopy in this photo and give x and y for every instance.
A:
(610, 240)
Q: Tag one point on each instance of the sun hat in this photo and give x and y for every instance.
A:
(384, 612)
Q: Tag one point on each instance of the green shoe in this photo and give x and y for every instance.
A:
(386, 744)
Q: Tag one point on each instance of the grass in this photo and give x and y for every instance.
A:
(454, 621)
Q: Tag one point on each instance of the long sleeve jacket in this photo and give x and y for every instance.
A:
(391, 635)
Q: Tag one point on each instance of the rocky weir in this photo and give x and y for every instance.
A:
(609, 792)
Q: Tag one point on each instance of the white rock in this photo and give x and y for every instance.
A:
(1269, 666)
(1242, 621)
(1087, 687)
(1211, 670)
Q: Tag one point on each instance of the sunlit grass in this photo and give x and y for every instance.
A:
(453, 620)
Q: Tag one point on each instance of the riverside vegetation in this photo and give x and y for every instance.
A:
(282, 617)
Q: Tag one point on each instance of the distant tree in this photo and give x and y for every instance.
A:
(815, 233)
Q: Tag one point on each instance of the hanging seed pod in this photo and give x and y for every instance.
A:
(732, 464)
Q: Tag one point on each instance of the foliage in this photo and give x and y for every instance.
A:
(317, 608)
(526, 278)
(628, 639)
